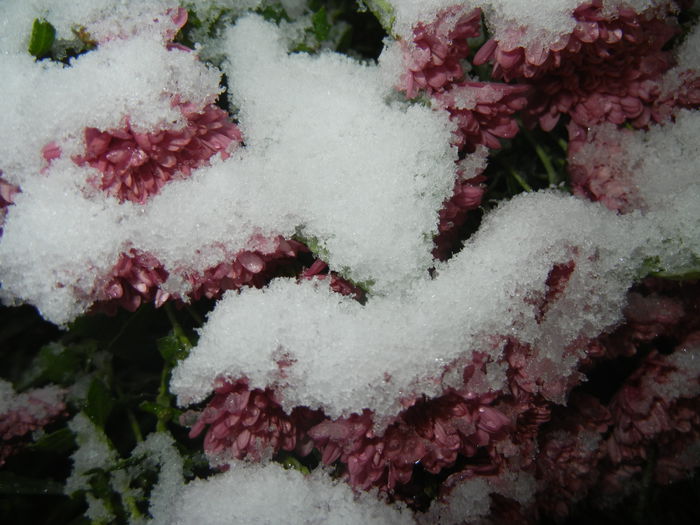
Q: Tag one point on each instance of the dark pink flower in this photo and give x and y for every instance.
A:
(137, 277)
(7, 196)
(433, 57)
(431, 433)
(657, 411)
(483, 111)
(245, 268)
(137, 165)
(134, 280)
(466, 196)
(684, 94)
(569, 453)
(599, 171)
(337, 283)
(26, 412)
(608, 69)
(250, 423)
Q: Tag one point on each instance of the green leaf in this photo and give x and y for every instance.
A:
(42, 38)
(383, 11)
(172, 349)
(274, 13)
(320, 24)
(99, 403)
(290, 462)
(60, 441)
(15, 485)
(165, 413)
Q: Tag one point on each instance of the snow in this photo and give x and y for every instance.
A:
(363, 176)
(103, 19)
(514, 23)
(93, 452)
(347, 356)
(269, 494)
(159, 448)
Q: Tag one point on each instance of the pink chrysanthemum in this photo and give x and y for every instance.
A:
(567, 462)
(137, 277)
(682, 92)
(607, 70)
(245, 268)
(658, 409)
(598, 171)
(249, 423)
(7, 196)
(466, 196)
(337, 283)
(134, 280)
(433, 57)
(431, 433)
(137, 165)
(26, 412)
(483, 111)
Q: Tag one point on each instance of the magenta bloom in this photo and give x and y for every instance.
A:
(597, 170)
(245, 423)
(607, 70)
(7, 195)
(433, 58)
(431, 433)
(137, 277)
(137, 165)
(567, 463)
(337, 283)
(466, 196)
(483, 111)
(246, 268)
(24, 413)
(134, 280)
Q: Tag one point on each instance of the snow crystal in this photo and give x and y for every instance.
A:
(347, 357)
(102, 19)
(159, 448)
(467, 502)
(363, 177)
(470, 500)
(269, 494)
(93, 452)
(512, 22)
(135, 79)
(369, 177)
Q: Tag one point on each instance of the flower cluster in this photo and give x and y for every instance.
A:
(609, 69)
(22, 414)
(433, 56)
(446, 341)
(249, 423)
(137, 278)
(136, 165)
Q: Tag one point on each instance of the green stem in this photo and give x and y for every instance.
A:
(133, 423)
(563, 144)
(384, 12)
(519, 179)
(542, 155)
(130, 503)
(177, 328)
(163, 400)
(138, 435)
(195, 315)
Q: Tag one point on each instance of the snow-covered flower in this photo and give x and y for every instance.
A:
(136, 165)
(433, 57)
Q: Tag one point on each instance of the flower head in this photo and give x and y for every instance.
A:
(136, 165)
(433, 57)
